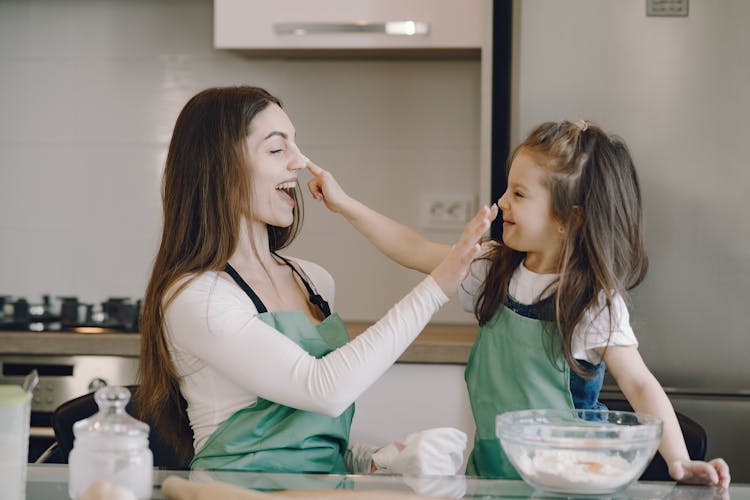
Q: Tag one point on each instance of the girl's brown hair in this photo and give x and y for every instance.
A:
(206, 198)
(596, 195)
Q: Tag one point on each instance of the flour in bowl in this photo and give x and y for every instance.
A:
(579, 471)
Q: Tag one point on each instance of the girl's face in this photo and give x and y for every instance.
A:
(528, 223)
(274, 161)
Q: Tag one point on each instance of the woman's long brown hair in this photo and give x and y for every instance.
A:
(206, 196)
(596, 195)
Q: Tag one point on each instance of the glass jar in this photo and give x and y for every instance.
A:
(111, 446)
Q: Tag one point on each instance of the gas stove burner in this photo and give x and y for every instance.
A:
(115, 315)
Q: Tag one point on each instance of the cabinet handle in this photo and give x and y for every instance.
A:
(405, 28)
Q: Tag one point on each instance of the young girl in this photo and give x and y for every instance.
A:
(549, 298)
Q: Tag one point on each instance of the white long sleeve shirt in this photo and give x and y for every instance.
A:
(226, 357)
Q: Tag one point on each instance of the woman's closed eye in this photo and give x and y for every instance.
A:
(276, 151)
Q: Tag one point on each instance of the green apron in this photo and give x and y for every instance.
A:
(269, 437)
(511, 368)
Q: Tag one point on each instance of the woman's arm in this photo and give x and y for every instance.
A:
(398, 242)
(215, 324)
(646, 395)
(226, 334)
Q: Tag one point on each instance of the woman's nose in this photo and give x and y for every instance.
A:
(298, 161)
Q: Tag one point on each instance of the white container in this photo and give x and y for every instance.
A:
(111, 446)
(15, 411)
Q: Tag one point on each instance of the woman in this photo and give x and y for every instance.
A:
(245, 335)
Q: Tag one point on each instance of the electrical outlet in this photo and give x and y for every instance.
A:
(446, 211)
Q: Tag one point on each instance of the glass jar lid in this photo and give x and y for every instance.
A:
(112, 420)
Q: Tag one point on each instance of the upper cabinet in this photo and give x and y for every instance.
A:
(389, 26)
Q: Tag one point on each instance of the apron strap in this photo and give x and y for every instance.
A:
(315, 297)
(543, 310)
(246, 288)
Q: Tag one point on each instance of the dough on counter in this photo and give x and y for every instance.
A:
(102, 490)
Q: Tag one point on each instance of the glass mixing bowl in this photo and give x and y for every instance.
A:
(583, 452)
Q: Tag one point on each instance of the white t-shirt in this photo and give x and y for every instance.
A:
(226, 357)
(590, 336)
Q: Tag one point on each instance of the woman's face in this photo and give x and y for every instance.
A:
(274, 161)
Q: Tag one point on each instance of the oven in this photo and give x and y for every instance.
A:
(62, 378)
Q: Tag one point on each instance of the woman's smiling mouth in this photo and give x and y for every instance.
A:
(285, 190)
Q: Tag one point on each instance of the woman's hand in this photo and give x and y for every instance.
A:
(452, 270)
(715, 471)
(324, 187)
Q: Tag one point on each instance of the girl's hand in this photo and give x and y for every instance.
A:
(715, 471)
(324, 187)
(453, 269)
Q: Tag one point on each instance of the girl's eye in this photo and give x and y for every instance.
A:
(276, 151)
(518, 194)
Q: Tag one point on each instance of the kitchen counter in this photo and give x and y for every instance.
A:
(436, 344)
(48, 481)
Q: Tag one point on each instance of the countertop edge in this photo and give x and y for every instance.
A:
(438, 343)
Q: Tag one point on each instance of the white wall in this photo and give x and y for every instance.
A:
(90, 89)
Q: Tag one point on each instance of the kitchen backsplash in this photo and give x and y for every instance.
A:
(90, 91)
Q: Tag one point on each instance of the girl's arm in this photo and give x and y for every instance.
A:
(398, 242)
(645, 394)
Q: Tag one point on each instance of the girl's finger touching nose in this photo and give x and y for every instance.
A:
(314, 169)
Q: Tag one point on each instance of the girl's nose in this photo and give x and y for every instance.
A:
(502, 203)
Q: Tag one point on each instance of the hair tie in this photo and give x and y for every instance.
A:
(582, 125)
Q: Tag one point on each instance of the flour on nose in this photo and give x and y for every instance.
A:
(299, 152)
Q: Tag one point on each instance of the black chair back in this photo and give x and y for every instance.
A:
(694, 434)
(84, 406)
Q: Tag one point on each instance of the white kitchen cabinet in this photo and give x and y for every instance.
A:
(350, 24)
(412, 397)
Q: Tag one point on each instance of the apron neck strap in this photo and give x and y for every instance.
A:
(315, 297)
(246, 288)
